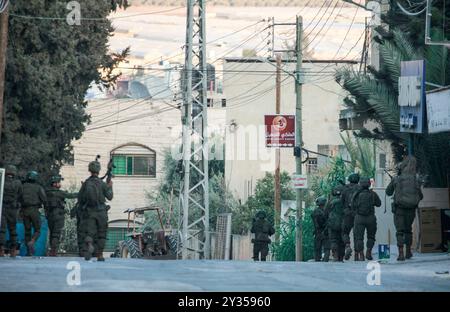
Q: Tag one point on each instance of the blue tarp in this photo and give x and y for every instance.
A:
(41, 243)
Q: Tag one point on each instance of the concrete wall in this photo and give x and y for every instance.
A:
(152, 127)
(251, 95)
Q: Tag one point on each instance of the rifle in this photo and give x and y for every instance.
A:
(110, 167)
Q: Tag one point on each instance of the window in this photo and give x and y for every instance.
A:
(134, 160)
(311, 166)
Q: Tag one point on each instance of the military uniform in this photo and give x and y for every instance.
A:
(334, 224)
(348, 219)
(364, 203)
(321, 240)
(94, 214)
(54, 210)
(11, 194)
(33, 198)
(263, 230)
(404, 215)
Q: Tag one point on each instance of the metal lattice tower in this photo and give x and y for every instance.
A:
(194, 197)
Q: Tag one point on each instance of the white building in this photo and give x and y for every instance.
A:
(135, 133)
(249, 85)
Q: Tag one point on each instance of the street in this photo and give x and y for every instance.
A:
(424, 273)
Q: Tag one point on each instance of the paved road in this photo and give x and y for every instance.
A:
(50, 274)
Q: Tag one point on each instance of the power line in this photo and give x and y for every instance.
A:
(95, 19)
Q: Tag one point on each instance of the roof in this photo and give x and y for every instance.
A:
(264, 60)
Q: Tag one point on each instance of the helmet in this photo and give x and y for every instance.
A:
(94, 167)
(337, 191)
(353, 178)
(32, 176)
(364, 182)
(321, 201)
(11, 170)
(56, 179)
(261, 214)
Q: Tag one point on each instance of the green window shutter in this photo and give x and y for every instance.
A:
(120, 163)
(129, 165)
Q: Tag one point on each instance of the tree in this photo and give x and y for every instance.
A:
(264, 199)
(50, 66)
(376, 94)
(361, 154)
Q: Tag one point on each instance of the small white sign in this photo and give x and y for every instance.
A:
(300, 181)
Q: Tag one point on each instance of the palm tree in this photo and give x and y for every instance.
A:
(374, 96)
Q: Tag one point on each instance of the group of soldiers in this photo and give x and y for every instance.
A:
(24, 200)
(352, 206)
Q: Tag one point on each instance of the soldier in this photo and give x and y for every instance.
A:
(334, 224)
(94, 220)
(54, 210)
(407, 195)
(263, 230)
(364, 202)
(33, 198)
(321, 241)
(349, 214)
(11, 194)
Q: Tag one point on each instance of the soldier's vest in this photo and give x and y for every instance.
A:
(31, 195)
(10, 191)
(320, 216)
(336, 215)
(407, 191)
(349, 191)
(262, 229)
(54, 199)
(363, 202)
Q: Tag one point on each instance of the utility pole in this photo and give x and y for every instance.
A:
(194, 195)
(299, 139)
(3, 45)
(277, 153)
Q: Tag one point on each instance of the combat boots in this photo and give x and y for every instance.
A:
(100, 256)
(369, 254)
(326, 256)
(408, 254)
(52, 252)
(89, 251)
(13, 251)
(348, 252)
(2, 251)
(401, 256)
(30, 247)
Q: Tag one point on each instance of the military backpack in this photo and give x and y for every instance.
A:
(336, 215)
(407, 191)
(363, 202)
(92, 192)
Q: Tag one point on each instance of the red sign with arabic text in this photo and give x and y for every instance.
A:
(280, 130)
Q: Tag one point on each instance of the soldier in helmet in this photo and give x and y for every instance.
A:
(92, 198)
(320, 217)
(33, 198)
(54, 210)
(364, 202)
(407, 194)
(349, 214)
(263, 230)
(12, 192)
(334, 223)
